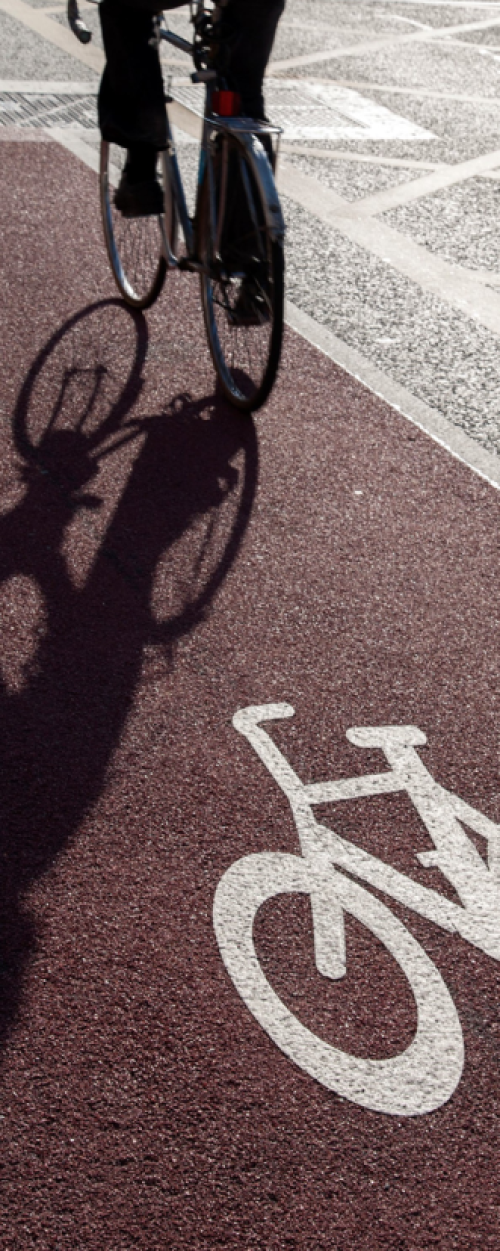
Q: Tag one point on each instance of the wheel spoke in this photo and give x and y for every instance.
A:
(136, 246)
(243, 314)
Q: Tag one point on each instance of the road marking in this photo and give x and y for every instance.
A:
(311, 111)
(53, 32)
(74, 142)
(340, 154)
(19, 134)
(429, 35)
(410, 21)
(44, 87)
(428, 419)
(449, 4)
(425, 1075)
(491, 52)
(420, 93)
(453, 284)
(439, 180)
(480, 48)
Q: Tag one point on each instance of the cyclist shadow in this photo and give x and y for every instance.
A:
(126, 528)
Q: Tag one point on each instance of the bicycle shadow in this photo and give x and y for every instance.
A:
(126, 528)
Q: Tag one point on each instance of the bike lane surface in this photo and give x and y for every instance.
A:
(164, 564)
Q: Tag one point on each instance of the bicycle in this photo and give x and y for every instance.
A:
(235, 239)
(330, 871)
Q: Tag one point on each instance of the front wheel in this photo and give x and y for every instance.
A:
(137, 246)
(242, 279)
(418, 1080)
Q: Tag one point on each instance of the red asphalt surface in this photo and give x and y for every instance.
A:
(327, 554)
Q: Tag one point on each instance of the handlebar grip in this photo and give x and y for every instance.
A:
(78, 26)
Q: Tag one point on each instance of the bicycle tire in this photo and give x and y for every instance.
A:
(136, 246)
(419, 1079)
(246, 357)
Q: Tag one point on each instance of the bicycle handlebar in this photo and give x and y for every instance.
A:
(77, 24)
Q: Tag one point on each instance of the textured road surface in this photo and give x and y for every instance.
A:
(164, 564)
(390, 175)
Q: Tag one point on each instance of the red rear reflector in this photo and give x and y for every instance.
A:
(226, 103)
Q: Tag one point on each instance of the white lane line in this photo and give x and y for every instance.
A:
(186, 119)
(491, 50)
(489, 5)
(340, 154)
(461, 446)
(20, 134)
(487, 277)
(420, 93)
(396, 17)
(431, 34)
(73, 141)
(53, 32)
(453, 284)
(45, 87)
(429, 184)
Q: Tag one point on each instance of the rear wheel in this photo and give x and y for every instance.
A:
(242, 282)
(137, 246)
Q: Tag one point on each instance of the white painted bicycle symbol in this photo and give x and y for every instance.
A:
(330, 870)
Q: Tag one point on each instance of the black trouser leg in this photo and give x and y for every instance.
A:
(131, 95)
(250, 27)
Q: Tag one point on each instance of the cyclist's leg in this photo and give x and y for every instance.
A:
(249, 28)
(132, 101)
(134, 173)
(131, 95)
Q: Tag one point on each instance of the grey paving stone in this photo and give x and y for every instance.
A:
(439, 15)
(461, 224)
(24, 55)
(484, 38)
(439, 354)
(350, 179)
(414, 65)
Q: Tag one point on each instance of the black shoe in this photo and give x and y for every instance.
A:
(138, 199)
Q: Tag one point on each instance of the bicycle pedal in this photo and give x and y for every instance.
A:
(203, 76)
(189, 263)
